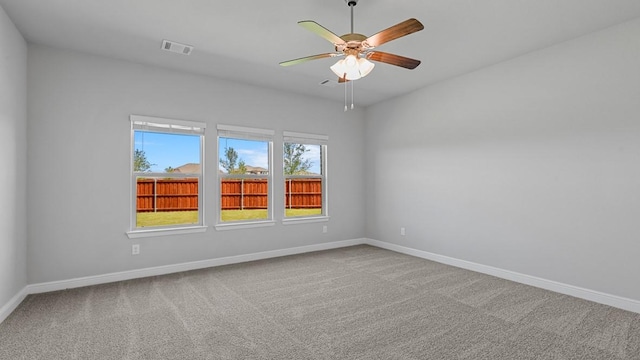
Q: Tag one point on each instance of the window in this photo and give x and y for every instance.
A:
(166, 174)
(304, 165)
(244, 169)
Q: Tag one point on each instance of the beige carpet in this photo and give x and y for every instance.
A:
(353, 303)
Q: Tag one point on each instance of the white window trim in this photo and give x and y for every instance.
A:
(245, 133)
(304, 220)
(304, 138)
(135, 234)
(151, 123)
(236, 225)
(169, 126)
(311, 139)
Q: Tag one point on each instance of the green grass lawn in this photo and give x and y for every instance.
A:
(302, 212)
(147, 219)
(239, 215)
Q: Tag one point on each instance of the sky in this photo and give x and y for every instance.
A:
(174, 150)
(164, 150)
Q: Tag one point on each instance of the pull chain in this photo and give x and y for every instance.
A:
(345, 93)
(351, 93)
(346, 84)
(351, 4)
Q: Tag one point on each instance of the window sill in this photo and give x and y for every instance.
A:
(134, 234)
(304, 220)
(244, 225)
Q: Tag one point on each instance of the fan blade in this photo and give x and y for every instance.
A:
(321, 30)
(393, 59)
(309, 58)
(396, 31)
(343, 79)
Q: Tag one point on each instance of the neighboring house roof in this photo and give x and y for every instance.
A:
(305, 173)
(256, 170)
(192, 168)
(189, 168)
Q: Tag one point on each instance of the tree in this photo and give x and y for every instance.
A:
(242, 168)
(229, 162)
(294, 163)
(169, 169)
(140, 162)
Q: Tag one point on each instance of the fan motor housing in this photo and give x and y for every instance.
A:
(351, 42)
(353, 37)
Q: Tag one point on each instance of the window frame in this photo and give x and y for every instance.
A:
(166, 126)
(308, 139)
(251, 134)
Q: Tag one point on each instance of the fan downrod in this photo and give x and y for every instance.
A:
(351, 4)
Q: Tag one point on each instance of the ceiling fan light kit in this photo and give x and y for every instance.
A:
(352, 68)
(359, 49)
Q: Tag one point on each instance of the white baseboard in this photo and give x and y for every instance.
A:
(8, 308)
(195, 265)
(607, 299)
(582, 293)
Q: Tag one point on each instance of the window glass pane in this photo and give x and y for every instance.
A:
(244, 180)
(164, 195)
(303, 171)
(165, 152)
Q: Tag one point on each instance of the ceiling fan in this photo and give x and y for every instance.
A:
(358, 49)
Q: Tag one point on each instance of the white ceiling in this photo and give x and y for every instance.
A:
(245, 40)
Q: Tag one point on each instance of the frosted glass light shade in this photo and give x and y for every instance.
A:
(354, 68)
(365, 66)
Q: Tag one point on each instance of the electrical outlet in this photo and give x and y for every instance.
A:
(324, 229)
(402, 232)
(135, 249)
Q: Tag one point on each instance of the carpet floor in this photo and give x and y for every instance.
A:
(359, 302)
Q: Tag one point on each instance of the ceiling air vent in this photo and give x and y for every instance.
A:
(176, 47)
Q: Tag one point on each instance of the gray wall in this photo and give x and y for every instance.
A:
(13, 157)
(79, 151)
(531, 165)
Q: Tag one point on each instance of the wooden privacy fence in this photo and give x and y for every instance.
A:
(236, 194)
(167, 195)
(241, 194)
(303, 193)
